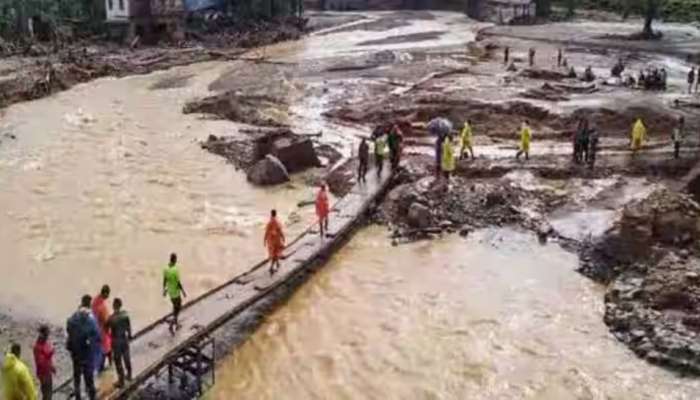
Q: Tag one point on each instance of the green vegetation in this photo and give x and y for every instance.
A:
(15, 13)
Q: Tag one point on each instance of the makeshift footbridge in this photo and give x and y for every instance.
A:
(155, 350)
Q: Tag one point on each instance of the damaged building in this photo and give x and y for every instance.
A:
(148, 19)
(503, 12)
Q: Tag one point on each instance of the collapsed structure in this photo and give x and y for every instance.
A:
(145, 18)
(502, 11)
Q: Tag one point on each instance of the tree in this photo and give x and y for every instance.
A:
(651, 11)
(544, 8)
(570, 8)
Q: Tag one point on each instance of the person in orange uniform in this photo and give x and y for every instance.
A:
(322, 209)
(101, 312)
(274, 240)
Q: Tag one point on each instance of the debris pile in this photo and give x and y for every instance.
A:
(258, 110)
(45, 70)
(427, 207)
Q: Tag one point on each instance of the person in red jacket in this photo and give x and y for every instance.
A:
(43, 359)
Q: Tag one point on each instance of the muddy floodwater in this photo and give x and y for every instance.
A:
(105, 180)
(493, 316)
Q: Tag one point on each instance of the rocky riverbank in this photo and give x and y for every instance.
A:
(650, 261)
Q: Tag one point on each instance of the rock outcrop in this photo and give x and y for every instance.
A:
(268, 171)
(651, 260)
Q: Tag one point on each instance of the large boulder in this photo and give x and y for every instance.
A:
(268, 171)
(295, 152)
(419, 216)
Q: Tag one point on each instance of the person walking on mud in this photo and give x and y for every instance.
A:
(275, 241)
(531, 56)
(363, 156)
(560, 57)
(677, 137)
(43, 360)
(448, 159)
(466, 137)
(525, 139)
(322, 210)
(379, 152)
(173, 288)
(394, 140)
(506, 55)
(639, 133)
(120, 326)
(582, 142)
(592, 147)
(438, 154)
(691, 80)
(83, 336)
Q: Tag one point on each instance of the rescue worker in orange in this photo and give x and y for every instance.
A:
(274, 240)
(322, 210)
(101, 312)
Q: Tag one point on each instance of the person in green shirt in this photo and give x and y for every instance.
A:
(172, 287)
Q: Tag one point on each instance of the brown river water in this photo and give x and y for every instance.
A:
(493, 316)
(106, 179)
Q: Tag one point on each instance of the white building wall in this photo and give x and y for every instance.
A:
(117, 10)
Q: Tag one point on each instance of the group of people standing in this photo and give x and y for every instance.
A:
(96, 339)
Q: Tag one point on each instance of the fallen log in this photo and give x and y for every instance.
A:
(427, 78)
(232, 55)
(341, 68)
(266, 61)
(151, 61)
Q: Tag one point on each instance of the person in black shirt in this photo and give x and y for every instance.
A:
(120, 326)
(363, 155)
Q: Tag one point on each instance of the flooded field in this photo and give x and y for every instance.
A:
(493, 316)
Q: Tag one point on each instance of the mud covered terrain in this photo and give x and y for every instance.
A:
(409, 70)
(38, 70)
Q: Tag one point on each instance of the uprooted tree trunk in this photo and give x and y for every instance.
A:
(570, 8)
(544, 8)
(650, 13)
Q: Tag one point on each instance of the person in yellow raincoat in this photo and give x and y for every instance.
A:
(17, 382)
(525, 139)
(466, 138)
(448, 158)
(639, 134)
